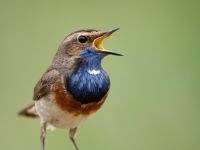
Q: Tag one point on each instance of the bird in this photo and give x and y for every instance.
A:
(74, 86)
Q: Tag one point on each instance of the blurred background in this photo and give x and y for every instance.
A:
(154, 102)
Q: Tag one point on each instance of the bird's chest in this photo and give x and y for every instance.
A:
(88, 85)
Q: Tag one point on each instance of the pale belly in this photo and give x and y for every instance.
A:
(51, 114)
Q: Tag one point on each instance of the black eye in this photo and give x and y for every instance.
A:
(82, 39)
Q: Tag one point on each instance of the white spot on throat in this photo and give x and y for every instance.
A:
(93, 71)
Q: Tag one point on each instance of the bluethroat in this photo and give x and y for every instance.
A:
(75, 85)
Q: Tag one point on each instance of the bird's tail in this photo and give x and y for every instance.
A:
(29, 111)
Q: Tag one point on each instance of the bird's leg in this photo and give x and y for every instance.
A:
(72, 136)
(43, 135)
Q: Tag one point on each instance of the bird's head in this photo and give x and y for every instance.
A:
(78, 43)
(79, 46)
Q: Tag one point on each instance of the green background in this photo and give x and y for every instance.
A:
(154, 98)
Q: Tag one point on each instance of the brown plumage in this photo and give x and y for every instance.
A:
(29, 111)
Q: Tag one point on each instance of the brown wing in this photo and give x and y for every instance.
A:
(43, 86)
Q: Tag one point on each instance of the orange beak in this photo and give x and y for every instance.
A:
(98, 42)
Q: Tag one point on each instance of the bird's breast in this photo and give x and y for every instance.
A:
(67, 103)
(61, 110)
(88, 85)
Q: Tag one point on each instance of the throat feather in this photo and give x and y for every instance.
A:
(93, 71)
(88, 84)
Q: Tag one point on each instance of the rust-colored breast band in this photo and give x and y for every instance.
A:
(67, 102)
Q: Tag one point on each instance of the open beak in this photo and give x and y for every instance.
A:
(98, 42)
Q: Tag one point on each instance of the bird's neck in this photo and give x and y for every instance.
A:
(89, 83)
(91, 64)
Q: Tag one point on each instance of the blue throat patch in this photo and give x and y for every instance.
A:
(89, 83)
